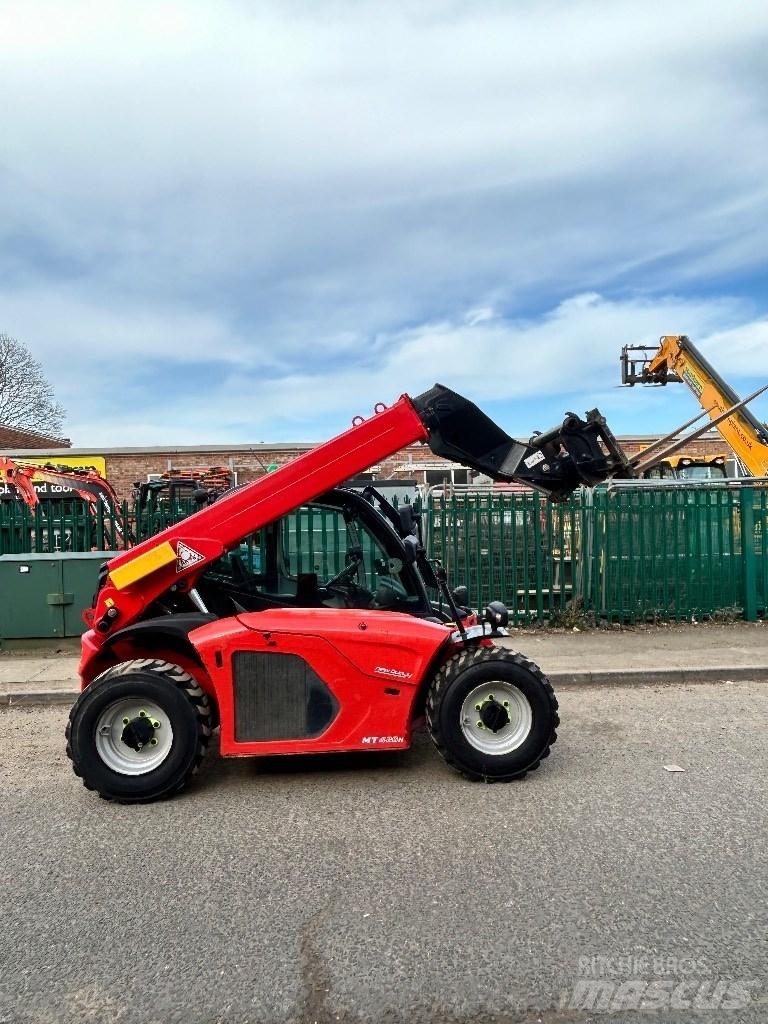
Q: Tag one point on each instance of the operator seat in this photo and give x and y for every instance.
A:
(307, 590)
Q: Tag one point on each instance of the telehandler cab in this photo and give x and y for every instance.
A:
(185, 635)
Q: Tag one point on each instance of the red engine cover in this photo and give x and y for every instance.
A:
(372, 662)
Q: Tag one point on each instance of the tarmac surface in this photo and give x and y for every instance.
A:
(382, 887)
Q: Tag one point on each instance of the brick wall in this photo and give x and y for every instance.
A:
(123, 468)
(698, 448)
(410, 463)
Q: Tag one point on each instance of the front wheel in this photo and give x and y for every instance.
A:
(139, 731)
(492, 714)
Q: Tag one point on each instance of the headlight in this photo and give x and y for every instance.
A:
(496, 614)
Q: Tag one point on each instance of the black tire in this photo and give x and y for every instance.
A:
(189, 714)
(450, 688)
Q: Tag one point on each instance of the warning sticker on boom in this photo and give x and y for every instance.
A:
(531, 461)
(186, 556)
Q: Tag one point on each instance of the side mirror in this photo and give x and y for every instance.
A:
(427, 571)
(411, 545)
(461, 596)
(408, 520)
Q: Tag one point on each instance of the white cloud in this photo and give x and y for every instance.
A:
(535, 369)
(741, 350)
(321, 143)
(336, 201)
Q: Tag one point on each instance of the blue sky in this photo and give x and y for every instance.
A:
(229, 221)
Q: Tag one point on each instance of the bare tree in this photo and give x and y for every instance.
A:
(27, 400)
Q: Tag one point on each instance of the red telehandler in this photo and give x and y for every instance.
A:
(185, 636)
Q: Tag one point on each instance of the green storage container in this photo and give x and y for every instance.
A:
(43, 595)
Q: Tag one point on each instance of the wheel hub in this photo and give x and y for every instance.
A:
(496, 717)
(493, 715)
(133, 735)
(138, 731)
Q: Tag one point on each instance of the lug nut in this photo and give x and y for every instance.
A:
(480, 725)
(125, 721)
(153, 742)
(478, 706)
(142, 714)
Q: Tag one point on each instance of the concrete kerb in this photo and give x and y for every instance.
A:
(661, 677)
(616, 677)
(20, 698)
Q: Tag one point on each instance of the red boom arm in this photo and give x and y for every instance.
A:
(181, 552)
(556, 462)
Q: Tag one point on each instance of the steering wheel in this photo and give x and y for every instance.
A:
(346, 575)
(347, 587)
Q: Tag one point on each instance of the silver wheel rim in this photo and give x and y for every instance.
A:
(116, 754)
(511, 735)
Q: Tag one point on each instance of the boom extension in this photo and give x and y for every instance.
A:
(671, 436)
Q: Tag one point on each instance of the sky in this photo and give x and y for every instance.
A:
(226, 221)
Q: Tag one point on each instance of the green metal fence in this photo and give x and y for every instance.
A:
(517, 548)
(629, 555)
(671, 554)
(69, 525)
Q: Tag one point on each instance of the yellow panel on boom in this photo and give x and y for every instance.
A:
(142, 565)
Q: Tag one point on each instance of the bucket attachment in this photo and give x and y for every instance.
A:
(556, 462)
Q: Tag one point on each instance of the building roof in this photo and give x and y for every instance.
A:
(32, 440)
(180, 449)
(260, 447)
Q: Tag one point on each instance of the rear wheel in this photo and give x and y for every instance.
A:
(492, 714)
(139, 731)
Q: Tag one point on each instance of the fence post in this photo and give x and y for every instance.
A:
(537, 555)
(749, 560)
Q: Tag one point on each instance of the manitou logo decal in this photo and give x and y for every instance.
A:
(186, 556)
(375, 741)
(395, 673)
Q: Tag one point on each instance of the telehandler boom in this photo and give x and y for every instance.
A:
(183, 636)
(678, 360)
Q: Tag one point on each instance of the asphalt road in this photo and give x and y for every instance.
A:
(383, 887)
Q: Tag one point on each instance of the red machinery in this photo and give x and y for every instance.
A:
(86, 483)
(183, 635)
